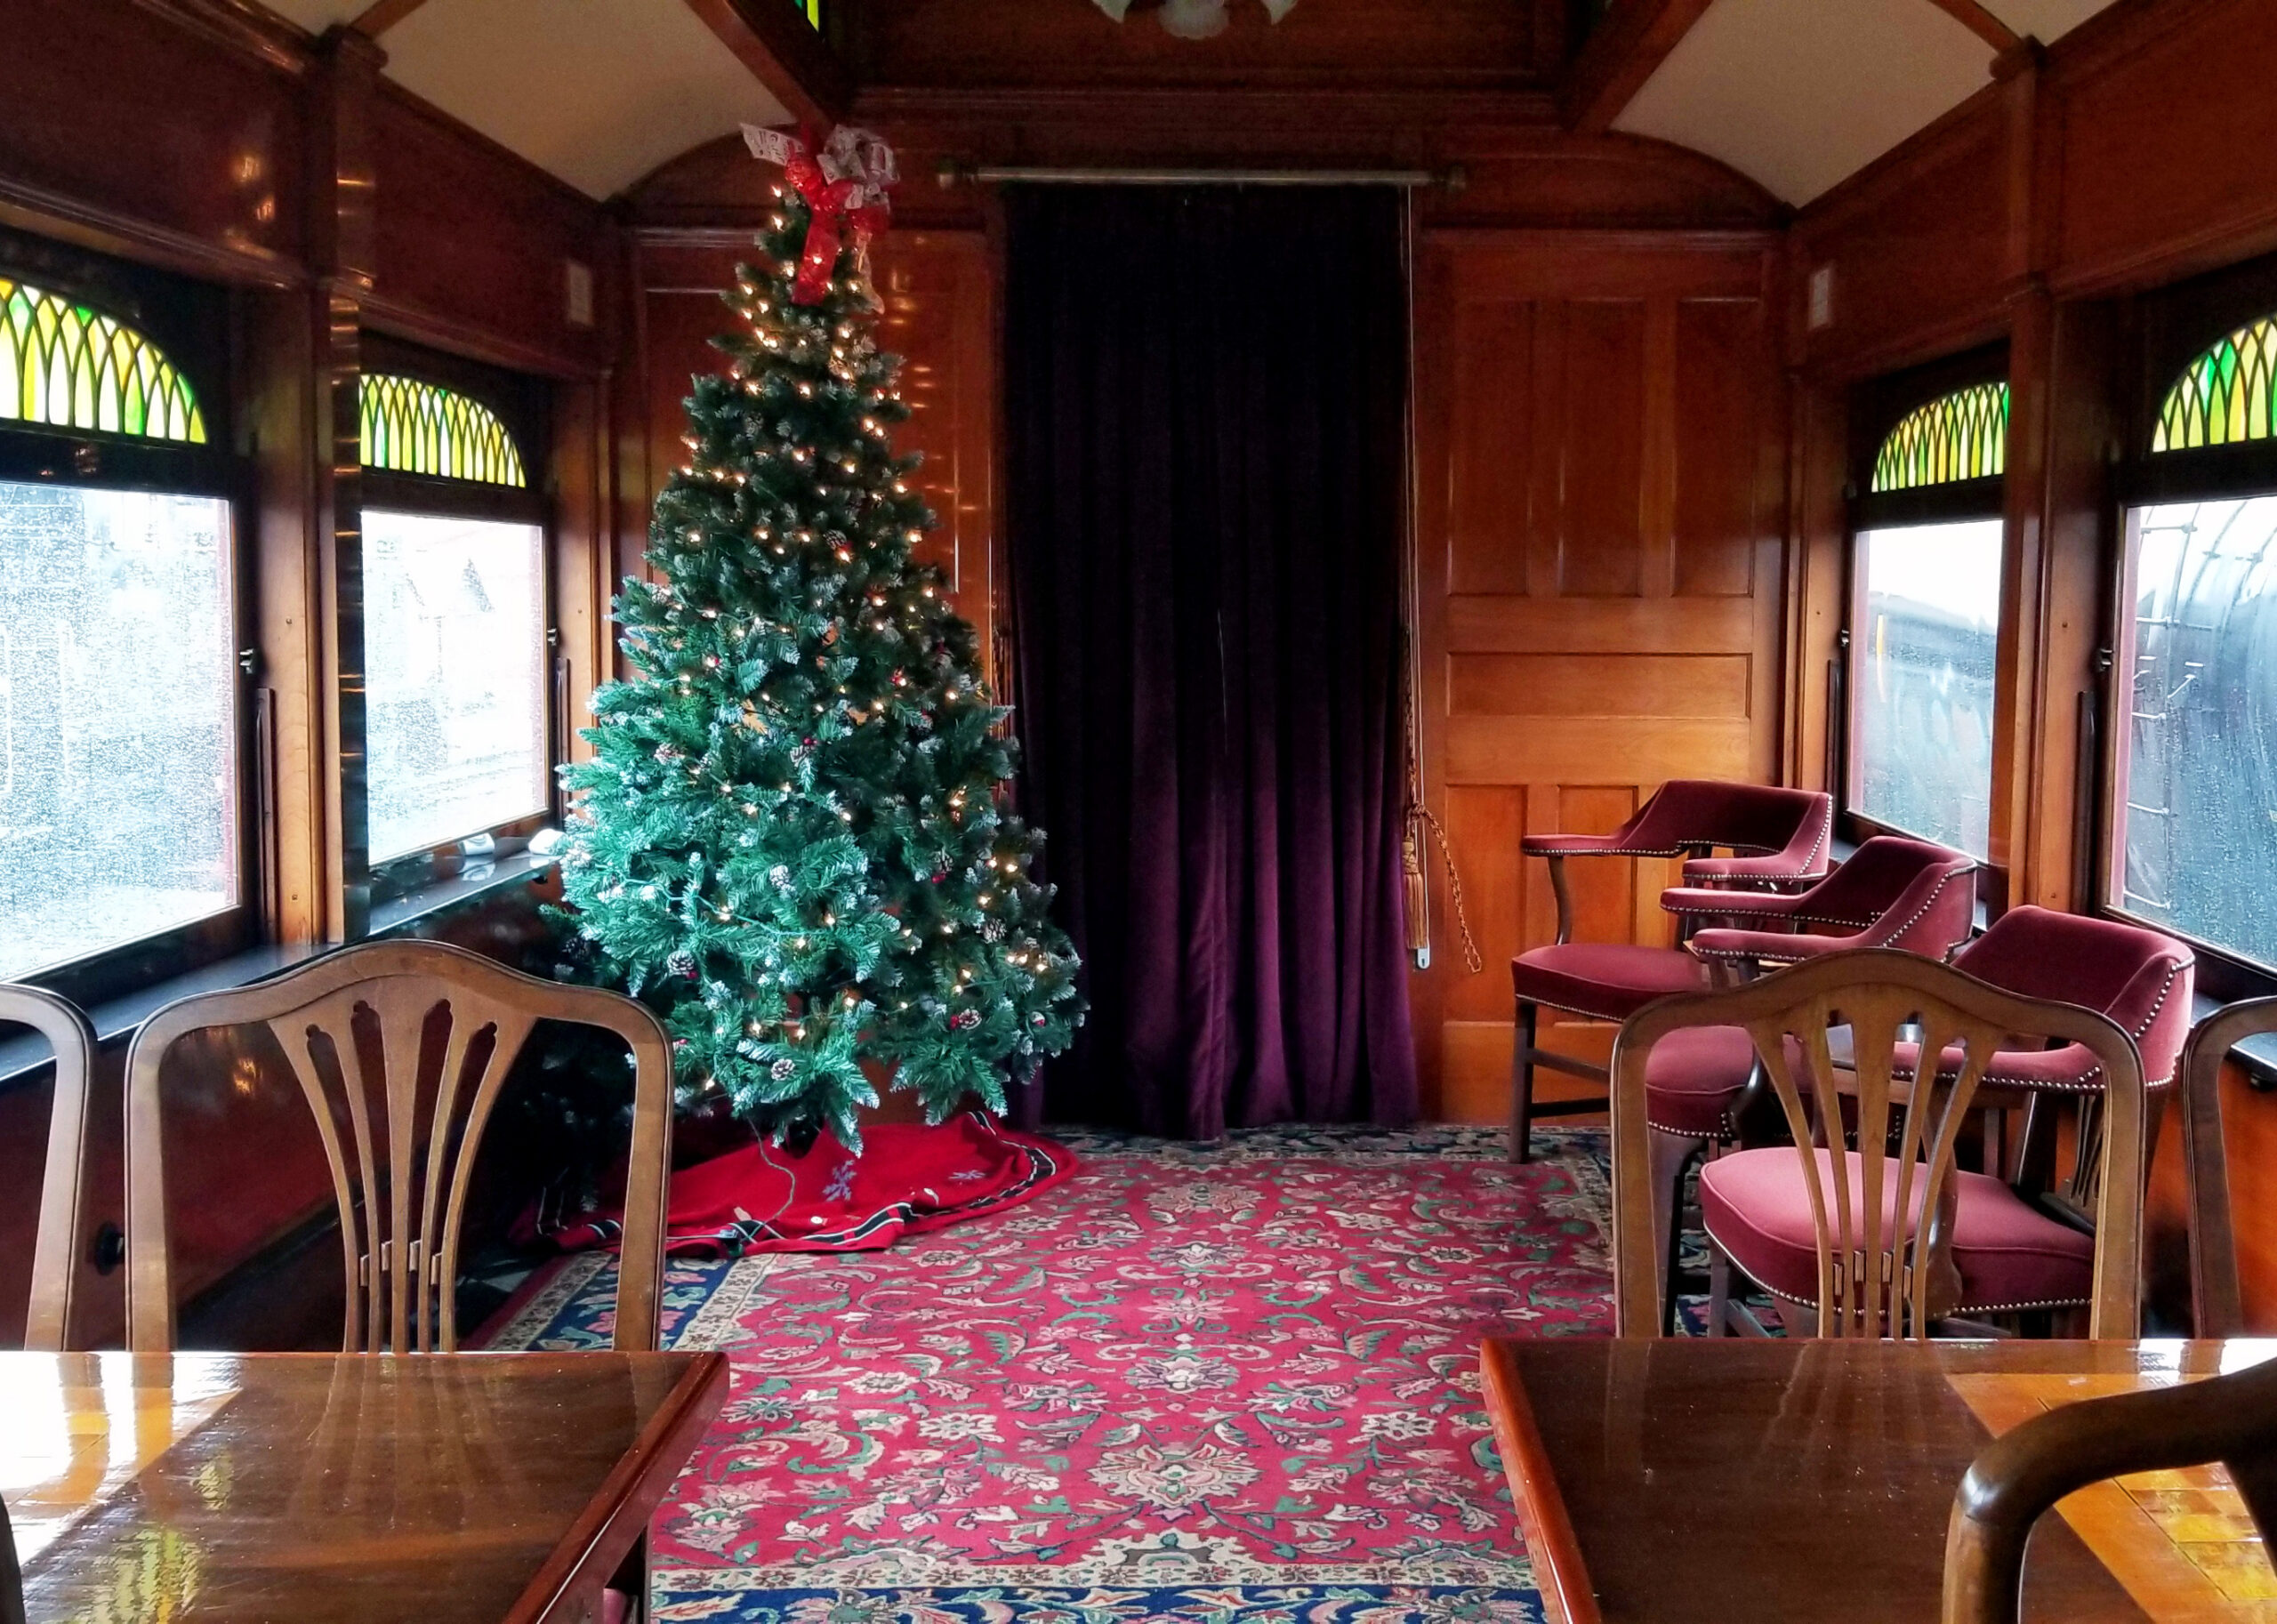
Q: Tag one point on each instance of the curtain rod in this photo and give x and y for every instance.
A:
(952, 173)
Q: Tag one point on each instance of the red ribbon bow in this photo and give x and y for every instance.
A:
(843, 185)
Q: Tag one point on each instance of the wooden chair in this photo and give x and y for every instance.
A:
(353, 1026)
(1892, 892)
(2216, 1303)
(55, 1252)
(2231, 1419)
(1872, 1238)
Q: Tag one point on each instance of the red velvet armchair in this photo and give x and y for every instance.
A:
(1892, 893)
(2017, 1247)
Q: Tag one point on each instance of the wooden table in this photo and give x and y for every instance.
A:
(1695, 1478)
(316, 1488)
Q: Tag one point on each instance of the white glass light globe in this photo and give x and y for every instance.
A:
(1194, 19)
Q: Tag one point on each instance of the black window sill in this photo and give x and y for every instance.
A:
(26, 1055)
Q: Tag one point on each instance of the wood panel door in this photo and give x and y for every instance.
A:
(1601, 467)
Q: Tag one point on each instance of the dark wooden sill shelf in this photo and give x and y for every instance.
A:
(24, 1056)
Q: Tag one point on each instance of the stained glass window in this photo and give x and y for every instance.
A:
(415, 428)
(2223, 397)
(1961, 436)
(70, 366)
(811, 10)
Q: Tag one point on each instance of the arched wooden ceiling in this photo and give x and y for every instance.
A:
(598, 93)
(1797, 95)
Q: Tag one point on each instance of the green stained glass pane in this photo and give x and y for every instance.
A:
(416, 428)
(1961, 436)
(2223, 396)
(74, 367)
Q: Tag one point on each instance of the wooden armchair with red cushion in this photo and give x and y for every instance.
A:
(1892, 893)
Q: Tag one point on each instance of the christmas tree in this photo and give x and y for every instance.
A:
(792, 840)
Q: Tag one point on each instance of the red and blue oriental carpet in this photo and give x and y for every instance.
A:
(1227, 1383)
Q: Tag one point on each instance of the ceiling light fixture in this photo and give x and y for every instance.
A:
(1194, 19)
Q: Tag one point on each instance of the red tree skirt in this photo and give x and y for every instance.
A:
(909, 1179)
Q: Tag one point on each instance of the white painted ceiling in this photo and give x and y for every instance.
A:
(1795, 93)
(597, 92)
(1799, 94)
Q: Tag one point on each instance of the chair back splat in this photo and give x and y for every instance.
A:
(1883, 1224)
(62, 1199)
(400, 1050)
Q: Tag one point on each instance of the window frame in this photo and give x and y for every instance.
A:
(1876, 409)
(2173, 329)
(189, 323)
(519, 403)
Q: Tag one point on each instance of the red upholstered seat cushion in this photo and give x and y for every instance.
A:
(1693, 1077)
(2010, 1254)
(1609, 981)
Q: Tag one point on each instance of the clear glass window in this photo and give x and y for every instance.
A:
(118, 771)
(456, 678)
(2195, 839)
(1923, 638)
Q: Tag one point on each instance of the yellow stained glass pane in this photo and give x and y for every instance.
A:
(2223, 397)
(414, 428)
(71, 366)
(1961, 436)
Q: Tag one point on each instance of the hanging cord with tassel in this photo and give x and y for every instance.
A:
(1421, 817)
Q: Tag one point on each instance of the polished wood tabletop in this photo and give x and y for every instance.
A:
(321, 1488)
(1698, 1478)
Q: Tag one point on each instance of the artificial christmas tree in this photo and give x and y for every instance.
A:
(791, 840)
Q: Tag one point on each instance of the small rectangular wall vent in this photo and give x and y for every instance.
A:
(579, 283)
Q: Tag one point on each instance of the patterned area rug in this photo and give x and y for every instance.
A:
(1235, 1383)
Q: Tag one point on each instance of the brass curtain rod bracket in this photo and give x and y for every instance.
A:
(954, 173)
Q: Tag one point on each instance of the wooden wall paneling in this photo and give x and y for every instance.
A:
(1919, 244)
(172, 146)
(584, 561)
(1601, 599)
(2078, 562)
(471, 245)
(938, 292)
(1818, 547)
(279, 413)
(343, 174)
(2169, 142)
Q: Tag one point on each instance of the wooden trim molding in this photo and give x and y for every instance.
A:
(91, 225)
(242, 26)
(377, 18)
(1626, 49)
(783, 54)
(1972, 16)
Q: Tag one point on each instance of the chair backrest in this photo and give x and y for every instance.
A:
(1752, 819)
(2140, 977)
(1877, 1274)
(2229, 1419)
(400, 1048)
(2217, 1304)
(1892, 892)
(62, 1197)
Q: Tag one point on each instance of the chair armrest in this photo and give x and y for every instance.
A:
(2020, 1476)
(1583, 846)
(1776, 869)
(1729, 947)
(1701, 901)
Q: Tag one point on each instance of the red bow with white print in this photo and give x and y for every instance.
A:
(843, 185)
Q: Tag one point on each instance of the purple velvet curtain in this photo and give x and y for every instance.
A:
(1206, 394)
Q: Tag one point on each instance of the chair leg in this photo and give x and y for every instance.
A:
(1720, 1290)
(1522, 1087)
(1670, 1153)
